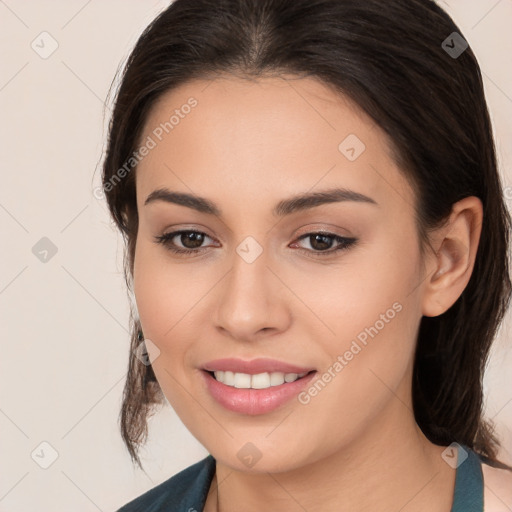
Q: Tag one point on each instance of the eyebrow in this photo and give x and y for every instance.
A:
(285, 207)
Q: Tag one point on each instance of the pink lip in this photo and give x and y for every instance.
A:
(254, 401)
(253, 367)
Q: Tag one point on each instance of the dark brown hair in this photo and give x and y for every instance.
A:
(389, 58)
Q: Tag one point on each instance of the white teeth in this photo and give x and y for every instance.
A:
(229, 378)
(258, 381)
(242, 380)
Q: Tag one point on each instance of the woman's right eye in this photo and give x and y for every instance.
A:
(194, 238)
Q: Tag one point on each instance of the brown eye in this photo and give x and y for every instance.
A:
(191, 241)
(321, 243)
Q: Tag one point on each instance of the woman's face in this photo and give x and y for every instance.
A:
(264, 283)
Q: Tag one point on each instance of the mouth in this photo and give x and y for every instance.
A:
(255, 394)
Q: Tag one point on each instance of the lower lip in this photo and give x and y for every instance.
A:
(254, 401)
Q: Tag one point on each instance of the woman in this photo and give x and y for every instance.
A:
(316, 240)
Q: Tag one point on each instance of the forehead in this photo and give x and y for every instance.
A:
(232, 137)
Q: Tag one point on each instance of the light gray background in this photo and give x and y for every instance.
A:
(64, 322)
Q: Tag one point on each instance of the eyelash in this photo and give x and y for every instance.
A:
(344, 242)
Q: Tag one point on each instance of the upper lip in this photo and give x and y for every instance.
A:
(253, 367)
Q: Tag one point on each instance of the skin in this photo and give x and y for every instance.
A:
(246, 146)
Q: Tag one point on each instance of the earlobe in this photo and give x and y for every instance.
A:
(452, 265)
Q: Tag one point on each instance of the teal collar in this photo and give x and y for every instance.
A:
(469, 482)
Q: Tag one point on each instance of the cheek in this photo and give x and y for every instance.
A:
(373, 319)
(364, 289)
(165, 293)
(171, 303)
(162, 305)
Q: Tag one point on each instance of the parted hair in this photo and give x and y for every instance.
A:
(391, 59)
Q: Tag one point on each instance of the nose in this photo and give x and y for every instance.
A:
(252, 300)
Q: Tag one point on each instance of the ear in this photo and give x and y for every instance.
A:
(450, 268)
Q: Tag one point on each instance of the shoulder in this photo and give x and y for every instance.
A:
(187, 488)
(497, 489)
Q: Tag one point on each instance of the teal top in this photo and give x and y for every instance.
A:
(187, 490)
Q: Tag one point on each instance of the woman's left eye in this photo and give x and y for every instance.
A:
(323, 239)
(191, 241)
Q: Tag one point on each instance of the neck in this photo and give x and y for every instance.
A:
(390, 466)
